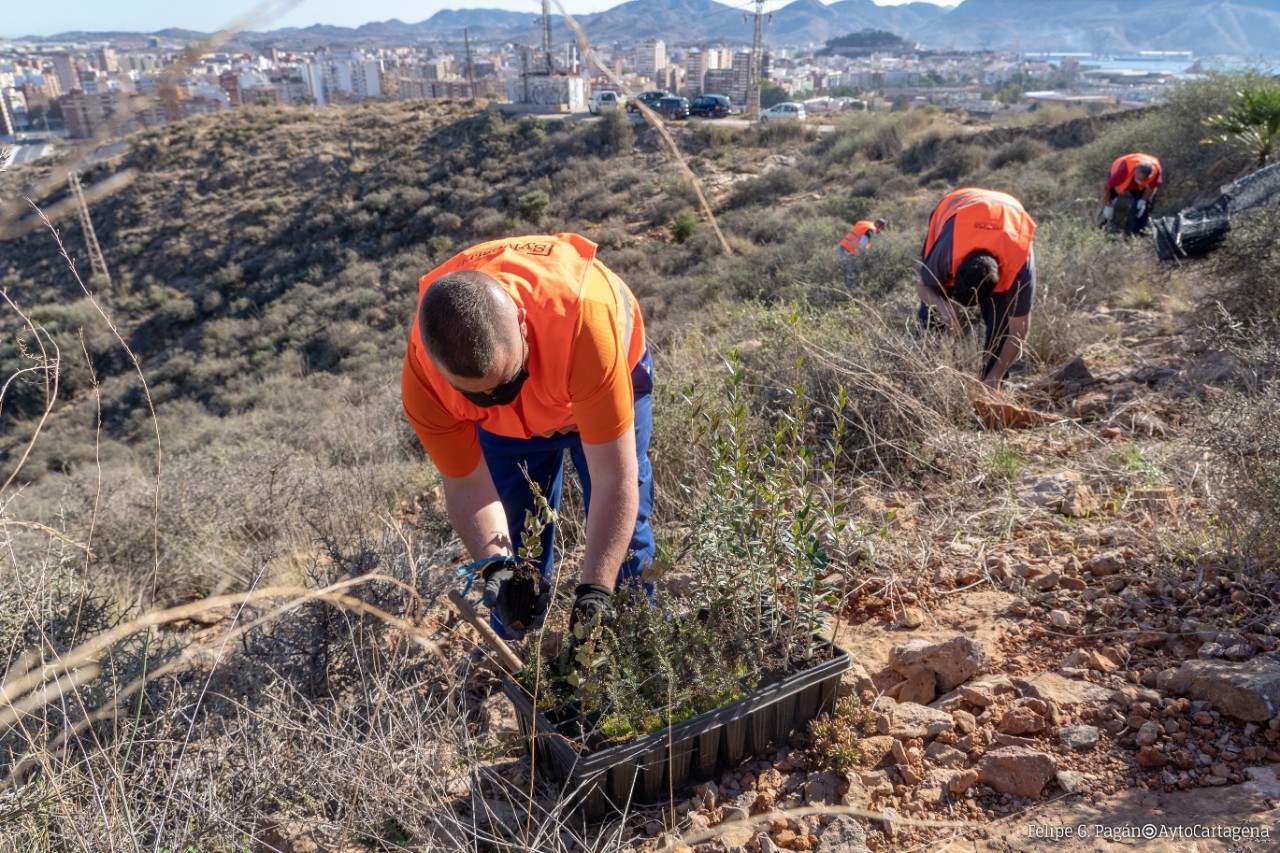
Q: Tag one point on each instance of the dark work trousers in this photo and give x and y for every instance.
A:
(995, 312)
(1134, 223)
(544, 459)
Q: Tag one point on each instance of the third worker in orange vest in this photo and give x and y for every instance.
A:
(859, 237)
(978, 252)
(1135, 175)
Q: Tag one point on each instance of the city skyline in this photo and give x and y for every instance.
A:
(143, 16)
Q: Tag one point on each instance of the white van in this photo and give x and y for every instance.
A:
(780, 112)
(605, 100)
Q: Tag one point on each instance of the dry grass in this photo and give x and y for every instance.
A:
(235, 641)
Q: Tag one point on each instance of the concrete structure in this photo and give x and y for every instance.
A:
(695, 67)
(557, 91)
(733, 81)
(65, 67)
(86, 114)
(651, 56)
(313, 79)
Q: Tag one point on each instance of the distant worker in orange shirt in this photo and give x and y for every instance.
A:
(1135, 175)
(978, 252)
(522, 349)
(859, 237)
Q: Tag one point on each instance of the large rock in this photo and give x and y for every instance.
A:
(1065, 492)
(952, 662)
(997, 414)
(1246, 691)
(1062, 692)
(873, 749)
(1016, 770)
(855, 680)
(821, 789)
(909, 720)
(843, 835)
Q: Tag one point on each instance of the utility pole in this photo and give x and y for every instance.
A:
(546, 35)
(471, 77)
(753, 84)
(96, 262)
(524, 70)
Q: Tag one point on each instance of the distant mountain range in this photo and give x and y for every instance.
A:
(1240, 28)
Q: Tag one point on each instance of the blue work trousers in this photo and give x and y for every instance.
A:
(544, 460)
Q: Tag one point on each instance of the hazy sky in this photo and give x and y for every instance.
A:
(46, 17)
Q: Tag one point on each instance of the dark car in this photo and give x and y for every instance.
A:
(649, 99)
(711, 106)
(672, 107)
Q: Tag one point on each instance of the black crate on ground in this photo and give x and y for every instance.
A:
(644, 770)
(1192, 233)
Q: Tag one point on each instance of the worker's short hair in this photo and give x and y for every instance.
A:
(461, 323)
(1143, 171)
(881, 224)
(976, 278)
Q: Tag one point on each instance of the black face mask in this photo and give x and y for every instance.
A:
(500, 396)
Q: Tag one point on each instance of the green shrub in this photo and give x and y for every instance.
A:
(1242, 433)
(683, 226)
(1024, 150)
(767, 188)
(532, 205)
(836, 735)
(783, 133)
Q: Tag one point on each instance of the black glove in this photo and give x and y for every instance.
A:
(520, 602)
(592, 606)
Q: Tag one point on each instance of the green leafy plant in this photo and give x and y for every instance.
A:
(768, 537)
(683, 226)
(1132, 460)
(533, 205)
(768, 529)
(1253, 123)
(836, 734)
(1007, 461)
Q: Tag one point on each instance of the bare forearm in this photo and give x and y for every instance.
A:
(615, 499)
(1008, 352)
(477, 514)
(941, 305)
(610, 522)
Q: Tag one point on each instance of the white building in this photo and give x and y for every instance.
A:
(651, 56)
(313, 78)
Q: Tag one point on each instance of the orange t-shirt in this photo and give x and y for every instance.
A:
(1121, 177)
(585, 335)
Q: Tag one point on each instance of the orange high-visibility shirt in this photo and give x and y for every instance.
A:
(585, 335)
(977, 220)
(1121, 179)
(853, 239)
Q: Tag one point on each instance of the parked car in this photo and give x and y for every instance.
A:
(672, 107)
(649, 99)
(604, 100)
(787, 110)
(711, 106)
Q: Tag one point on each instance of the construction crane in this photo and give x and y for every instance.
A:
(546, 36)
(97, 263)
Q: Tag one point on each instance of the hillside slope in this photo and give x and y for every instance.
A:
(266, 266)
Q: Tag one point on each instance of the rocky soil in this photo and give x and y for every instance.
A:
(1061, 671)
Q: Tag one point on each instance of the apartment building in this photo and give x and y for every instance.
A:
(651, 56)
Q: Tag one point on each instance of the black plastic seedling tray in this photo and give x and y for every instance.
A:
(645, 770)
